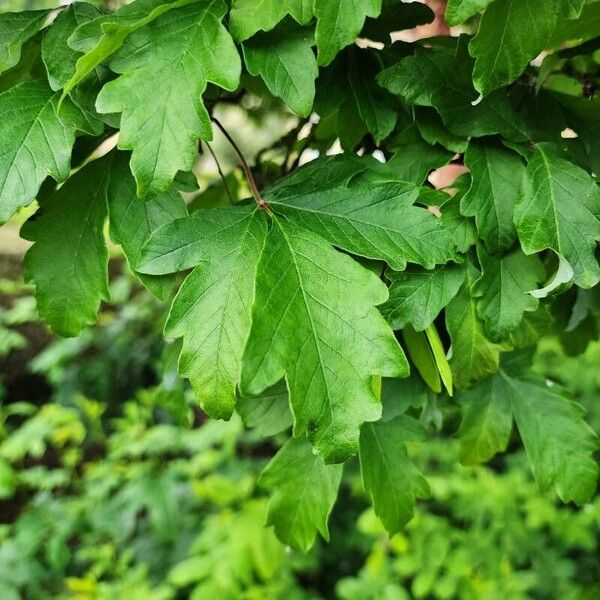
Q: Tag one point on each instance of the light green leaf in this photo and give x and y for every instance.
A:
(389, 477)
(15, 29)
(248, 17)
(34, 143)
(212, 310)
(558, 209)
(371, 216)
(304, 490)
(486, 420)
(511, 34)
(59, 58)
(133, 220)
(472, 355)
(496, 175)
(285, 61)
(314, 321)
(441, 360)
(68, 262)
(268, 412)
(161, 124)
(503, 289)
(338, 24)
(101, 38)
(419, 351)
(458, 11)
(417, 295)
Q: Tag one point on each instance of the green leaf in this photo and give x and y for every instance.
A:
(396, 15)
(417, 296)
(248, 17)
(486, 421)
(59, 58)
(558, 442)
(34, 143)
(512, 33)
(421, 355)
(68, 262)
(389, 477)
(371, 102)
(285, 61)
(314, 321)
(434, 132)
(133, 220)
(461, 228)
(161, 124)
(304, 490)
(369, 216)
(101, 38)
(338, 24)
(496, 175)
(472, 355)
(212, 310)
(441, 360)
(442, 79)
(268, 412)
(458, 11)
(413, 158)
(15, 29)
(558, 209)
(503, 290)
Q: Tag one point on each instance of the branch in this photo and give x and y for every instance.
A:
(260, 201)
(221, 174)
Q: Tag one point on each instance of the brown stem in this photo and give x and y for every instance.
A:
(260, 201)
(221, 174)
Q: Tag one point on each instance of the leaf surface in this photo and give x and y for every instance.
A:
(376, 219)
(389, 477)
(68, 262)
(314, 321)
(304, 490)
(559, 209)
(161, 124)
(285, 61)
(338, 24)
(496, 175)
(34, 143)
(502, 290)
(15, 29)
(212, 310)
(417, 296)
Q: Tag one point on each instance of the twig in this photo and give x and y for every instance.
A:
(260, 201)
(221, 174)
(305, 143)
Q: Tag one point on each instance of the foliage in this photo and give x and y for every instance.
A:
(327, 300)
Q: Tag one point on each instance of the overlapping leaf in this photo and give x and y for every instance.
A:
(35, 142)
(285, 61)
(417, 296)
(473, 355)
(338, 24)
(558, 442)
(212, 310)
(304, 490)
(15, 29)
(559, 209)
(371, 218)
(161, 124)
(496, 175)
(390, 478)
(249, 16)
(314, 321)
